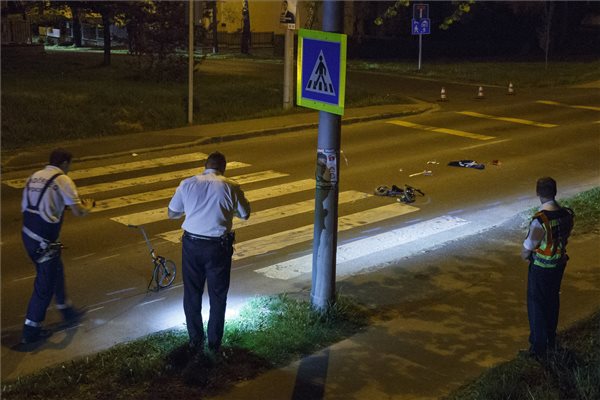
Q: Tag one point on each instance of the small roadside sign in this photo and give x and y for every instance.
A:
(421, 26)
(321, 71)
(420, 11)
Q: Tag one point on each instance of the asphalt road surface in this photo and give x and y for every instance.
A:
(551, 132)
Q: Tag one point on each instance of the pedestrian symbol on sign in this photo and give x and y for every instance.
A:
(320, 80)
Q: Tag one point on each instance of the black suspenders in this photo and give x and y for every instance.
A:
(42, 192)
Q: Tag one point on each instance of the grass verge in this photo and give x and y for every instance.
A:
(67, 95)
(269, 332)
(521, 74)
(586, 206)
(572, 372)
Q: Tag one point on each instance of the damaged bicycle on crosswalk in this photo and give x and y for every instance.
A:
(164, 271)
(406, 195)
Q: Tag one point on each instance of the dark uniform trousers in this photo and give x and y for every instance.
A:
(205, 261)
(49, 281)
(543, 302)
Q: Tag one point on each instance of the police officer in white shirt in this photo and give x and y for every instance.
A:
(45, 196)
(209, 201)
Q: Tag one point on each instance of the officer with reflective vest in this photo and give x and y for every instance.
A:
(546, 250)
(45, 196)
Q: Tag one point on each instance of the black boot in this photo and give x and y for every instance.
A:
(32, 334)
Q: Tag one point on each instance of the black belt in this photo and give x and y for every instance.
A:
(202, 237)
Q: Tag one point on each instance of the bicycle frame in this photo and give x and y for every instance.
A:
(166, 268)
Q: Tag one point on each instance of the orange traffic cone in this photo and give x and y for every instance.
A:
(480, 93)
(511, 89)
(443, 94)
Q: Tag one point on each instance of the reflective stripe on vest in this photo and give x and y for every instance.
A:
(557, 227)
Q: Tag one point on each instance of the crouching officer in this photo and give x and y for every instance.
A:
(45, 196)
(546, 250)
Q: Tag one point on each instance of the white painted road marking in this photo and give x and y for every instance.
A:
(124, 167)
(159, 214)
(441, 130)
(277, 241)
(145, 197)
(507, 119)
(145, 180)
(275, 213)
(555, 103)
(364, 247)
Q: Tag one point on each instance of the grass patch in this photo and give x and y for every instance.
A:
(586, 206)
(521, 74)
(65, 95)
(572, 372)
(269, 332)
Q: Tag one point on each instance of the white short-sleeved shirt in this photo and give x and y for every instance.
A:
(62, 192)
(209, 201)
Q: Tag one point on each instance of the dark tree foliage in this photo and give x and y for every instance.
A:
(158, 37)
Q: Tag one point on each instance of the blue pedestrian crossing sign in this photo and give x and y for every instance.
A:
(321, 70)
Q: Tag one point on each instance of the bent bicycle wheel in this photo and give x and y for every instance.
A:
(164, 273)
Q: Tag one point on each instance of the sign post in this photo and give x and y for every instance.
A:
(321, 86)
(420, 24)
(288, 18)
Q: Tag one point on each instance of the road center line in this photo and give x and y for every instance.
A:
(448, 131)
(555, 103)
(507, 119)
(119, 291)
(24, 278)
(485, 144)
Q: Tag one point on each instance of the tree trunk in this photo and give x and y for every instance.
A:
(76, 11)
(215, 26)
(106, 28)
(549, 15)
(245, 28)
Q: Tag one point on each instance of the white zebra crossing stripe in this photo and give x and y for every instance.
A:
(295, 209)
(275, 213)
(279, 240)
(159, 214)
(364, 247)
(305, 233)
(123, 167)
(139, 198)
(145, 180)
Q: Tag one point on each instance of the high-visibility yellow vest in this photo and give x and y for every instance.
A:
(557, 225)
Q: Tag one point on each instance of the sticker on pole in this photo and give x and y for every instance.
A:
(321, 71)
(326, 174)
